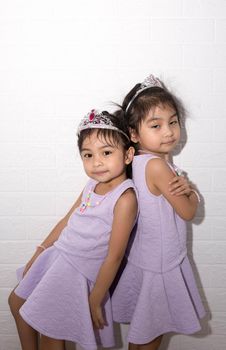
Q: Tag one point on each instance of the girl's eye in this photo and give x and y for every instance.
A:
(155, 126)
(107, 153)
(87, 155)
(174, 122)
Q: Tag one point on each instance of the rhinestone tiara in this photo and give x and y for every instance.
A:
(97, 120)
(149, 82)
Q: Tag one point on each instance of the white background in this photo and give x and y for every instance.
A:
(59, 59)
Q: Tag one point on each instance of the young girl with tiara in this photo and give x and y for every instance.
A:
(157, 292)
(63, 294)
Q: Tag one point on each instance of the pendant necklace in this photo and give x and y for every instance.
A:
(87, 203)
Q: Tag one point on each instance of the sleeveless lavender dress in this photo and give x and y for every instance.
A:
(157, 292)
(57, 286)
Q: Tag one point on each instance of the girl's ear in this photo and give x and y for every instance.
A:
(129, 155)
(133, 135)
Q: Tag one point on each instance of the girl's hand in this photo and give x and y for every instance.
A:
(180, 185)
(96, 313)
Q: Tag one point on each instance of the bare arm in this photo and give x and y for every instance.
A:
(159, 176)
(124, 217)
(54, 235)
(180, 184)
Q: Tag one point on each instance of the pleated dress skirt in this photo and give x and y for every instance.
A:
(56, 302)
(157, 303)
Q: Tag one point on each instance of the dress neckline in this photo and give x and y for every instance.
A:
(93, 199)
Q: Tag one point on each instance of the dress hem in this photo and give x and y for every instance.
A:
(66, 338)
(133, 340)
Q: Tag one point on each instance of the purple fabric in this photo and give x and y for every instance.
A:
(57, 286)
(157, 292)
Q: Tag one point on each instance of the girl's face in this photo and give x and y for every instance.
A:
(159, 132)
(104, 161)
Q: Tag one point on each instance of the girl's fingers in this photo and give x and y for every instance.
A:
(175, 179)
(98, 320)
(178, 181)
(179, 185)
(99, 323)
(180, 189)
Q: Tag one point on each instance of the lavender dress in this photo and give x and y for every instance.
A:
(157, 292)
(57, 286)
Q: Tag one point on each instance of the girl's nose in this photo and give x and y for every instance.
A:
(168, 131)
(97, 161)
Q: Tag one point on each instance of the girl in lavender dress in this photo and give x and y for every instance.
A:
(157, 292)
(63, 294)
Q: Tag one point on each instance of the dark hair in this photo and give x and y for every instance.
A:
(112, 137)
(147, 99)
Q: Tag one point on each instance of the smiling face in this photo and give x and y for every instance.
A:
(159, 132)
(103, 160)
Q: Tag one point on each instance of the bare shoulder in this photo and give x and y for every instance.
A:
(157, 166)
(158, 175)
(128, 200)
(158, 170)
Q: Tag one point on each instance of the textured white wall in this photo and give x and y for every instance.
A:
(58, 60)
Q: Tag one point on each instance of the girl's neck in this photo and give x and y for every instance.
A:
(104, 187)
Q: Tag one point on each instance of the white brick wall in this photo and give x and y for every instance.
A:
(61, 58)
